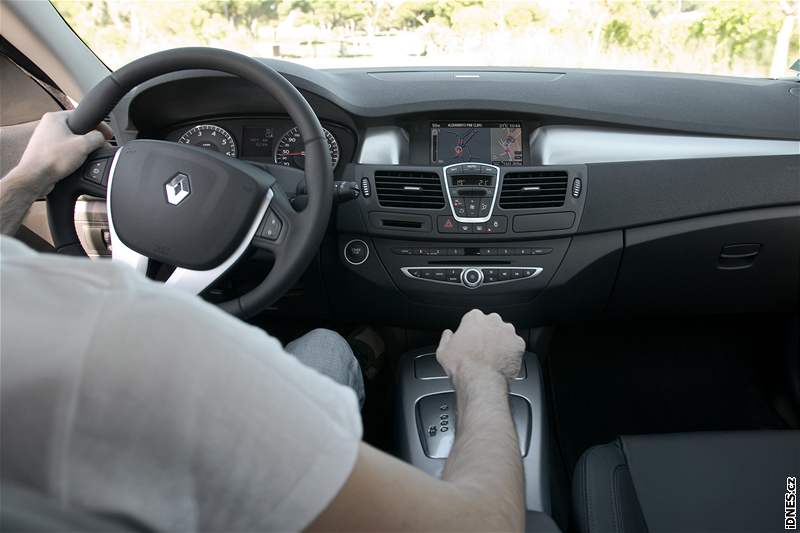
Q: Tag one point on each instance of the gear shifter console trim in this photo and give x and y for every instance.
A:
(427, 420)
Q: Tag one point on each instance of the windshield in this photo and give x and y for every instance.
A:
(737, 37)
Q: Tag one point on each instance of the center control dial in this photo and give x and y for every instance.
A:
(472, 278)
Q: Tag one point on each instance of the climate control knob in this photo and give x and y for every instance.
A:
(472, 278)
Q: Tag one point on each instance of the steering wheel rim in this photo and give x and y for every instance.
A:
(301, 232)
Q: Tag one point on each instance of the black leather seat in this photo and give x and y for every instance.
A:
(686, 482)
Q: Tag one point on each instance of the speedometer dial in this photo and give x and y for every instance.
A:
(290, 150)
(210, 137)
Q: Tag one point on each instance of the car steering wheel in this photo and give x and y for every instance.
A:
(193, 208)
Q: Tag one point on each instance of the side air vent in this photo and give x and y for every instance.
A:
(531, 190)
(112, 141)
(417, 190)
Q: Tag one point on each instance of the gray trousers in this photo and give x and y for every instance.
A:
(328, 353)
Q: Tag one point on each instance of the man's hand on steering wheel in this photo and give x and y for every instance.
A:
(54, 151)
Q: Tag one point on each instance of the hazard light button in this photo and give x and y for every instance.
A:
(446, 224)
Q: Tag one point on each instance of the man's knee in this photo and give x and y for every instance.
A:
(329, 353)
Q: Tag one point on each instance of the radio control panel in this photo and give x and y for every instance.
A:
(471, 277)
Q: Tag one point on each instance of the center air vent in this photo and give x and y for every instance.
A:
(418, 190)
(531, 190)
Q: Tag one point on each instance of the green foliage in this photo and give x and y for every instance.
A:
(332, 14)
(713, 36)
(521, 16)
(740, 29)
(247, 14)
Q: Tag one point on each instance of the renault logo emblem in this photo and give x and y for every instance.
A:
(178, 188)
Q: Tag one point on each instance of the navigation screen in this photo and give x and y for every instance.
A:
(497, 143)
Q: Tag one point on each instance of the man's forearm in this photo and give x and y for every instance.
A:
(18, 190)
(486, 457)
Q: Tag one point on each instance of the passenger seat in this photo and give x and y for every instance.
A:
(685, 482)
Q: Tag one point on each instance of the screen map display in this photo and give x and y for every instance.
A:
(496, 143)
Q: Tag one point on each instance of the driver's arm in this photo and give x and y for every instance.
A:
(53, 153)
(482, 488)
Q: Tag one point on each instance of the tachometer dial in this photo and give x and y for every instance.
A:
(210, 137)
(290, 151)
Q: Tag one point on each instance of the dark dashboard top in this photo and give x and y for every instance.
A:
(692, 103)
(679, 102)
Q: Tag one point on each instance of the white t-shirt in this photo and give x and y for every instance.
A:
(123, 397)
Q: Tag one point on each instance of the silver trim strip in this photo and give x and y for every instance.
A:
(523, 371)
(386, 145)
(576, 145)
(193, 281)
(119, 251)
(476, 220)
(404, 270)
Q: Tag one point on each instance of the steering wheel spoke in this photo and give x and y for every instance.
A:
(196, 281)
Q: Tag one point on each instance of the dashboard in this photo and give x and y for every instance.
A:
(544, 196)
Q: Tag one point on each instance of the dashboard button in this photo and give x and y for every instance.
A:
(505, 251)
(402, 251)
(479, 228)
(464, 228)
(455, 251)
(356, 252)
(497, 224)
(472, 207)
(455, 169)
(488, 251)
(446, 224)
(472, 278)
(542, 251)
(504, 275)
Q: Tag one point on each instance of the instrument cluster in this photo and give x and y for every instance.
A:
(265, 140)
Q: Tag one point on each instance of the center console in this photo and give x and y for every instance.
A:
(472, 224)
(427, 419)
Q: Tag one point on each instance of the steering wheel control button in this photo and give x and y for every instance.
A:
(95, 171)
(356, 252)
(472, 278)
(271, 229)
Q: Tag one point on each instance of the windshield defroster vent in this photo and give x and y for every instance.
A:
(411, 189)
(531, 190)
